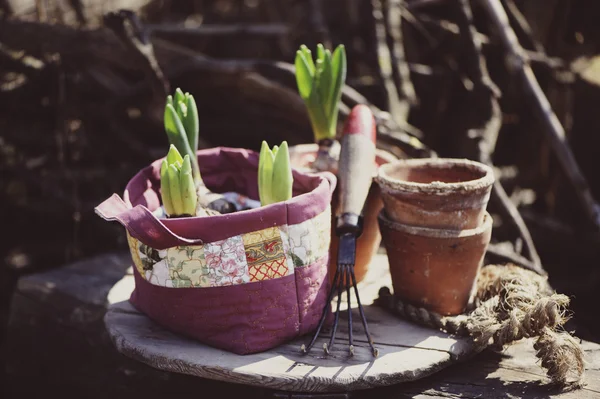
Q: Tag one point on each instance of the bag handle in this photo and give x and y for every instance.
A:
(141, 224)
(331, 179)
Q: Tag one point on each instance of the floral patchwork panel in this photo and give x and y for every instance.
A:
(291, 259)
(150, 263)
(159, 274)
(226, 260)
(187, 266)
(309, 240)
(265, 255)
(260, 255)
(135, 254)
(322, 234)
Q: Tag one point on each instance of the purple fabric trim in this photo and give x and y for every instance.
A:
(312, 284)
(243, 319)
(223, 169)
(140, 223)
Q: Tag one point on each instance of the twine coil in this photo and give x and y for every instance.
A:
(511, 303)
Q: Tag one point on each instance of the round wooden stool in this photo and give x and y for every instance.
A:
(406, 351)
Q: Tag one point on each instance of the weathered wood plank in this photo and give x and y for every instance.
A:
(513, 373)
(57, 338)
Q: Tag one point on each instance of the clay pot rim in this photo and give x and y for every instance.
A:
(383, 157)
(390, 184)
(436, 233)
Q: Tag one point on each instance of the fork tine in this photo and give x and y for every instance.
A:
(340, 291)
(362, 315)
(336, 277)
(347, 277)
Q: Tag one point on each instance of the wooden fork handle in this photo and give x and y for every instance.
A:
(356, 165)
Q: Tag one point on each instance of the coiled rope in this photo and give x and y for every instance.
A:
(511, 303)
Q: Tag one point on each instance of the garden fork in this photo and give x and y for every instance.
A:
(355, 173)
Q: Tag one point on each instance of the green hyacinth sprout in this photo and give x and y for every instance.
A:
(320, 85)
(182, 127)
(274, 174)
(178, 189)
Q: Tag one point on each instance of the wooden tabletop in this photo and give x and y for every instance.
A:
(57, 343)
(407, 351)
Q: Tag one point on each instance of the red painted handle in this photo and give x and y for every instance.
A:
(357, 160)
(362, 122)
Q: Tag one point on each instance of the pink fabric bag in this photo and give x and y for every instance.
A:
(244, 282)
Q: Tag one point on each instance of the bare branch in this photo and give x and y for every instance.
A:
(553, 129)
(487, 133)
(317, 21)
(419, 4)
(398, 108)
(128, 27)
(264, 30)
(521, 22)
(393, 23)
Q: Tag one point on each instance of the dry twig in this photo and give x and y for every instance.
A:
(398, 108)
(237, 30)
(317, 21)
(392, 12)
(486, 132)
(128, 28)
(554, 130)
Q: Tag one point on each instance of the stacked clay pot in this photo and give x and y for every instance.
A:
(436, 229)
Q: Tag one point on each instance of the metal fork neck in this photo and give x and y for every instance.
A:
(349, 223)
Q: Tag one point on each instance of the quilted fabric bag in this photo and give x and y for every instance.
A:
(244, 282)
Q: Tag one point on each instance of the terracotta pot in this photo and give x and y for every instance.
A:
(436, 192)
(367, 244)
(435, 268)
